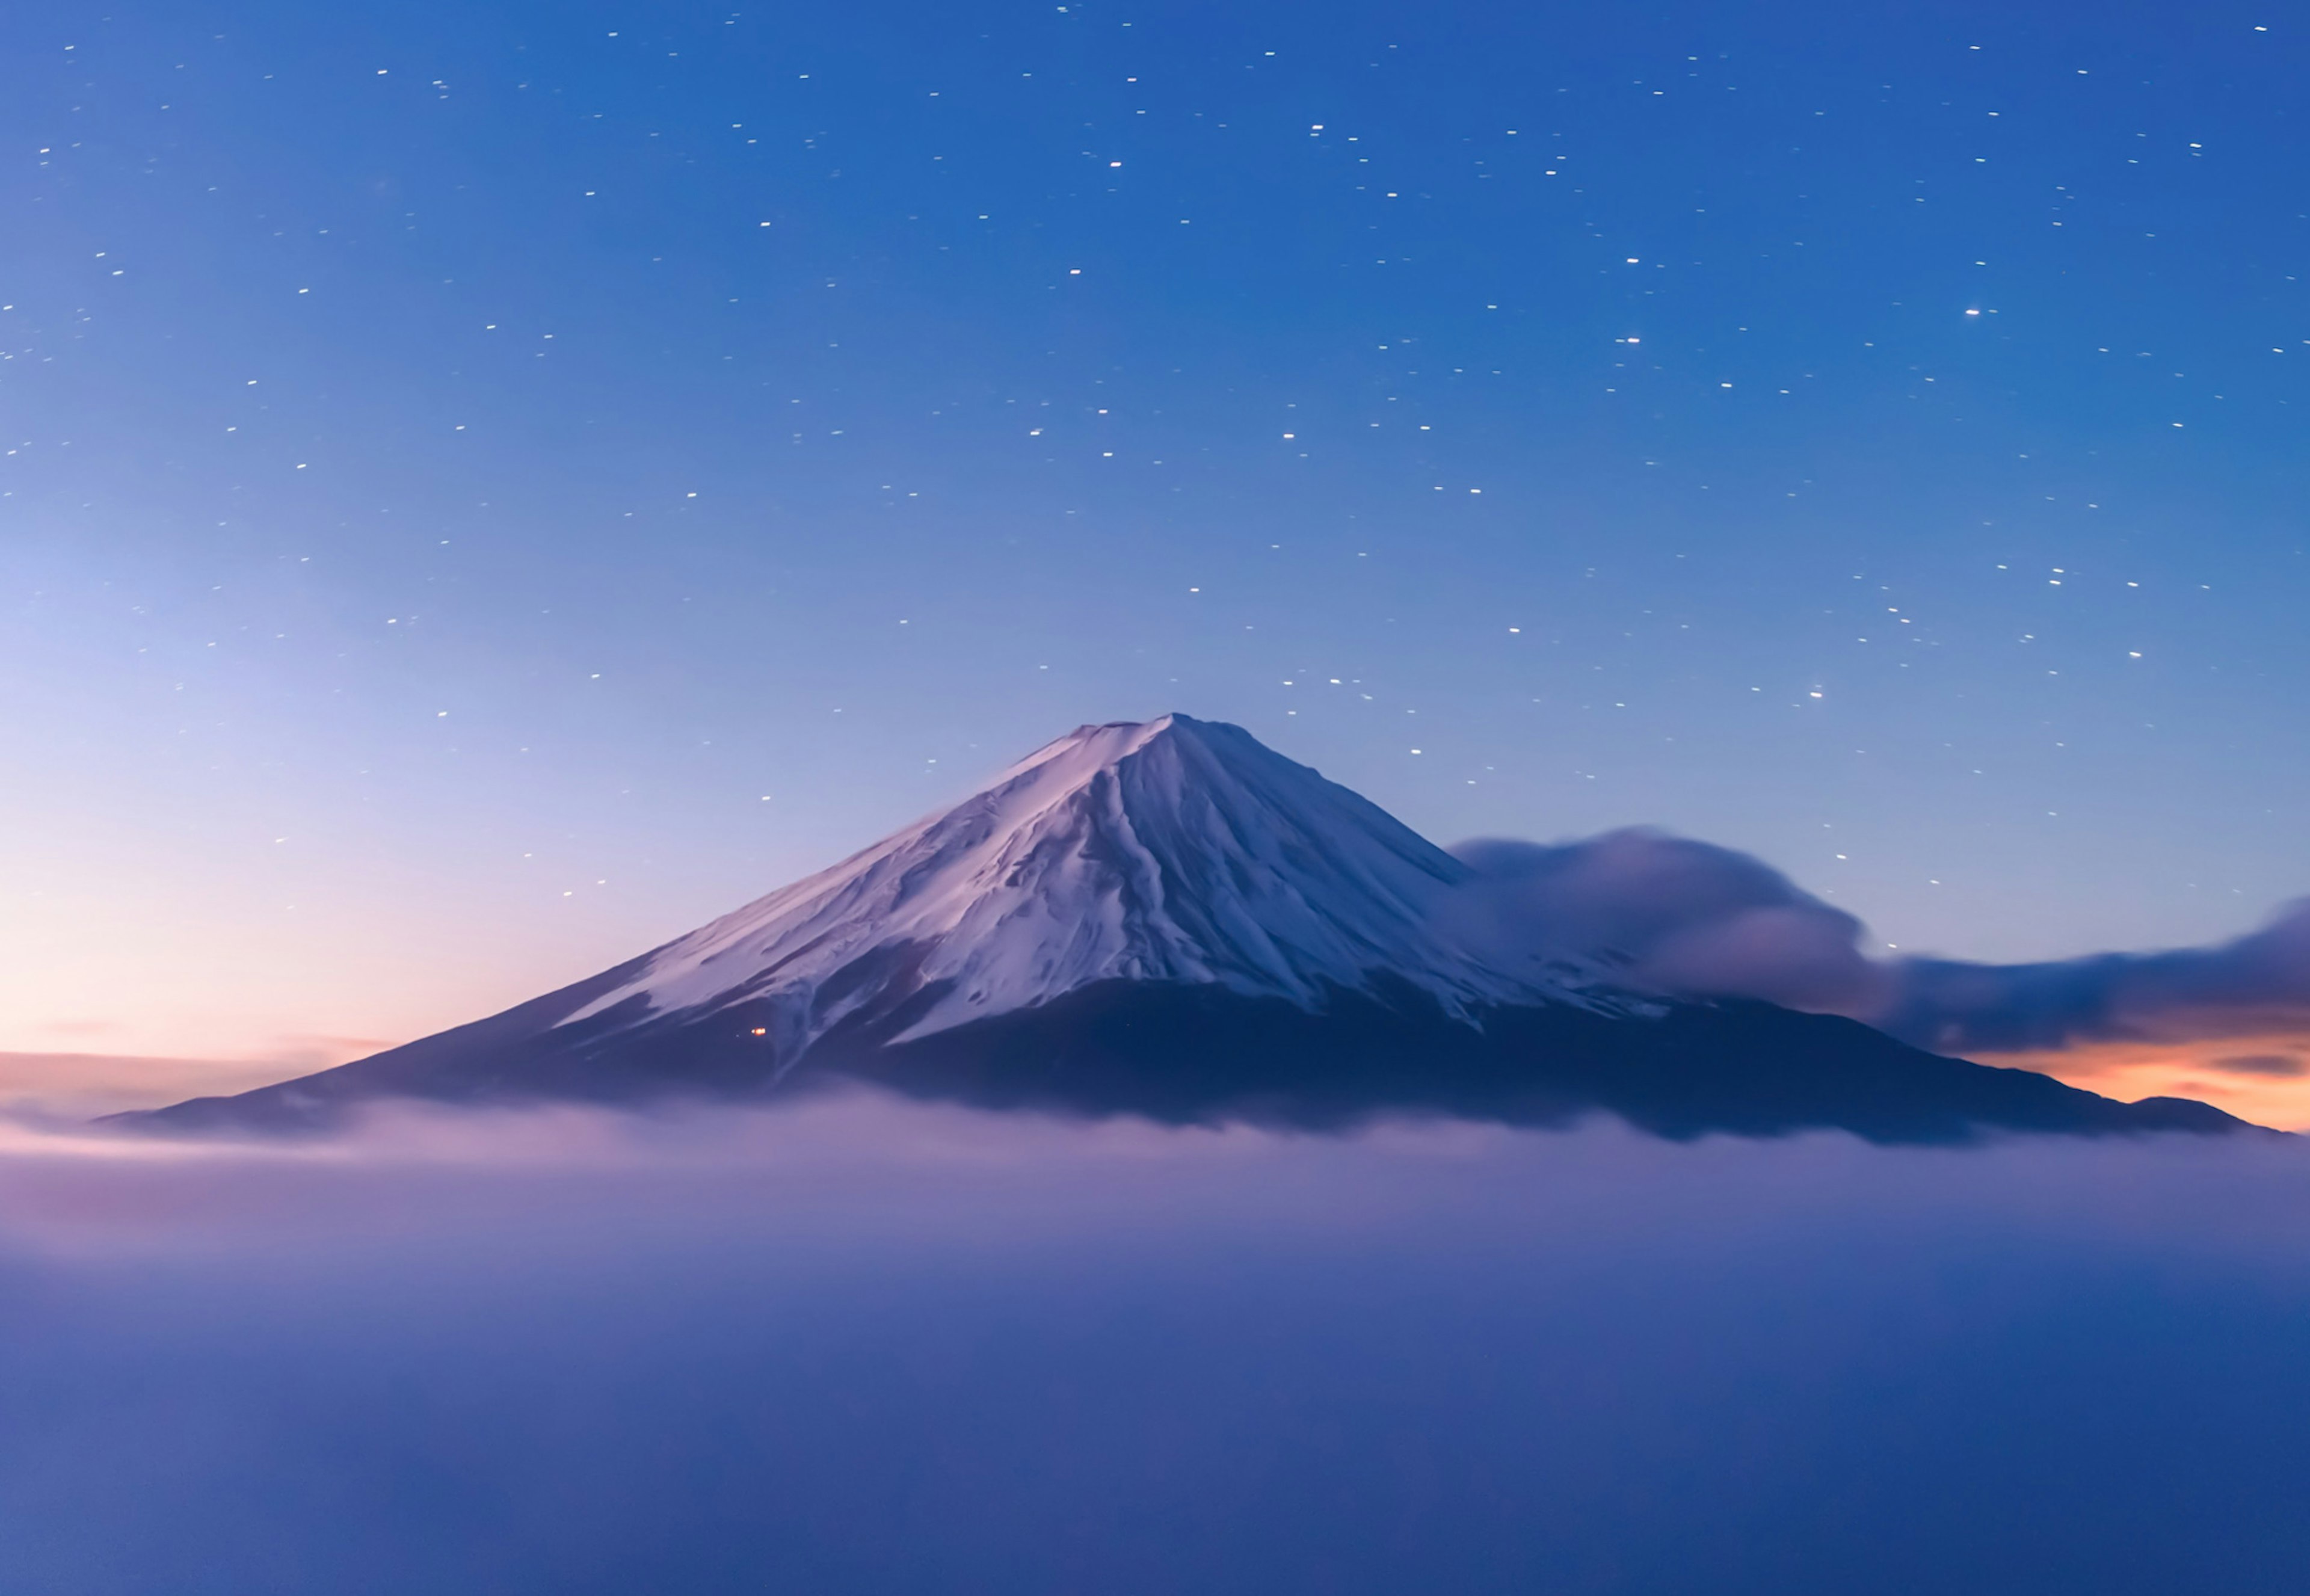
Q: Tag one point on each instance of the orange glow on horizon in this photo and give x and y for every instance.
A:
(2264, 1078)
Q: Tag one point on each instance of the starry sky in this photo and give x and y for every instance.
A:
(489, 487)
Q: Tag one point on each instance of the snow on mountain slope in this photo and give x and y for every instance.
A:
(1167, 919)
(1171, 850)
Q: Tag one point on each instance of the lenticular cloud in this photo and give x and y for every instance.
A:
(1672, 914)
(1691, 919)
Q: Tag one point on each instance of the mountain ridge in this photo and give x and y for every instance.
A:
(1168, 850)
(1115, 914)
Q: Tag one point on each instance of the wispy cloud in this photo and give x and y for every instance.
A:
(2250, 984)
(1675, 915)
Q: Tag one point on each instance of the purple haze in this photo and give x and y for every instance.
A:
(857, 1346)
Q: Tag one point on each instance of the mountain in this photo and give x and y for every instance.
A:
(1169, 918)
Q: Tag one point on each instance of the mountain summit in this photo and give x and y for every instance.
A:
(1169, 918)
(1172, 851)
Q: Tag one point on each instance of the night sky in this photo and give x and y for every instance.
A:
(487, 488)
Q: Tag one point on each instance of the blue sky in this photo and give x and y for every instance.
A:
(490, 487)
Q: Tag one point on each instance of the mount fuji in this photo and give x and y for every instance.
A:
(1167, 918)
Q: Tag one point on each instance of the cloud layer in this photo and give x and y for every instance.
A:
(860, 1347)
(1684, 918)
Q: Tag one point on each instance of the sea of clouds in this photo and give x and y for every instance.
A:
(860, 1345)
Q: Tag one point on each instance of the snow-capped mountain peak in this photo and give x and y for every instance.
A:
(1170, 850)
(1166, 918)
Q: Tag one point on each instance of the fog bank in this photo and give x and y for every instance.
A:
(857, 1345)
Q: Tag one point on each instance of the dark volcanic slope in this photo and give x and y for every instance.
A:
(1188, 1054)
(1191, 1054)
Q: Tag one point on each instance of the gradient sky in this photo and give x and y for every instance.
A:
(487, 488)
